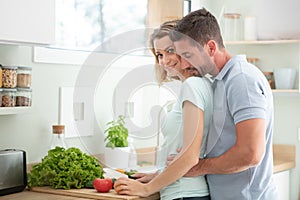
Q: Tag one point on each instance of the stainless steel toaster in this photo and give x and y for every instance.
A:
(12, 171)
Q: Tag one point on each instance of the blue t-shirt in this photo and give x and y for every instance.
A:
(199, 92)
(241, 92)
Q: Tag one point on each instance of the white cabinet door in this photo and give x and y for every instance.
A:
(282, 181)
(27, 21)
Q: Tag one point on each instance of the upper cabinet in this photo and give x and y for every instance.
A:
(27, 21)
(161, 11)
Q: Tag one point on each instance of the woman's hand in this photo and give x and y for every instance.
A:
(130, 187)
(144, 177)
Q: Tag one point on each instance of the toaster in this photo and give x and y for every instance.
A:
(12, 171)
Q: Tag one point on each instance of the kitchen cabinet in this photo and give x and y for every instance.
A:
(284, 161)
(282, 182)
(27, 22)
(270, 55)
(157, 12)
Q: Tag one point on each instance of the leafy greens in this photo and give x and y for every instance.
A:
(65, 169)
(117, 133)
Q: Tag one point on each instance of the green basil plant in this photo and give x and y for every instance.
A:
(117, 133)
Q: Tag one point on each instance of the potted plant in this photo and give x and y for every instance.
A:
(116, 151)
(117, 133)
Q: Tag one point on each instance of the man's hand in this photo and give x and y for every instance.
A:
(171, 157)
(196, 170)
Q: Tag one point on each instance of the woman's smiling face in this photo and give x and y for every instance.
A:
(170, 61)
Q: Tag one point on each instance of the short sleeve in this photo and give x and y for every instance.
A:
(196, 90)
(246, 98)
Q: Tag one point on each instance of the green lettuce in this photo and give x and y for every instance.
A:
(65, 169)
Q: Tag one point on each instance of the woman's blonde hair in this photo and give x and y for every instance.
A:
(160, 32)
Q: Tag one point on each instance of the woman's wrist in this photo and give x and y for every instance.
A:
(149, 189)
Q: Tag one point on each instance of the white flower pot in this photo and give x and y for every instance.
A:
(117, 157)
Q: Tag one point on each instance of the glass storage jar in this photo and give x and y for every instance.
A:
(23, 97)
(1, 97)
(9, 76)
(253, 61)
(58, 136)
(0, 75)
(8, 97)
(270, 78)
(231, 27)
(24, 77)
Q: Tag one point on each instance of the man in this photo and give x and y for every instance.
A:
(239, 160)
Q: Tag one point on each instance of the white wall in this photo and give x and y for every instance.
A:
(32, 131)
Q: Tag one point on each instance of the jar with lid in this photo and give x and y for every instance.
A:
(58, 136)
(270, 78)
(9, 76)
(253, 60)
(1, 97)
(8, 97)
(231, 26)
(23, 97)
(0, 75)
(24, 77)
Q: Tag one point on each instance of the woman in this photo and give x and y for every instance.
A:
(186, 124)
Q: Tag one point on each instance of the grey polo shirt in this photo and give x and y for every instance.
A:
(241, 92)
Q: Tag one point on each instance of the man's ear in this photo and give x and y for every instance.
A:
(212, 46)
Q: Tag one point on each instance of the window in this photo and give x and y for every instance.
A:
(81, 25)
(84, 24)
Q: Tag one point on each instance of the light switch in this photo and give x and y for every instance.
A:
(77, 115)
(129, 109)
(78, 109)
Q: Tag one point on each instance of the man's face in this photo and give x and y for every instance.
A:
(191, 51)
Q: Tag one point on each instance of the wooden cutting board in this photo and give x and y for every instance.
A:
(92, 194)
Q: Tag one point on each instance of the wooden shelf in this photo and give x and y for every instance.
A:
(294, 92)
(14, 110)
(276, 92)
(254, 42)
